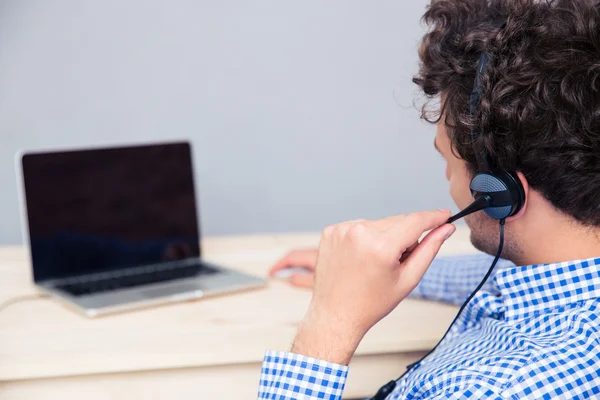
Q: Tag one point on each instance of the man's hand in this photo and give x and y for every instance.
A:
(298, 258)
(364, 270)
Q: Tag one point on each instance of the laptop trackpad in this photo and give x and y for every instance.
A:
(185, 290)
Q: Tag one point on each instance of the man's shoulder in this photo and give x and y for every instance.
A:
(560, 354)
(551, 355)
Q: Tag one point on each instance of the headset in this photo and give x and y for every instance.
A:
(500, 194)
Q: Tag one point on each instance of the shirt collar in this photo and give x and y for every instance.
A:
(534, 289)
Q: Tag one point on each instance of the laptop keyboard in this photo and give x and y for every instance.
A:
(153, 275)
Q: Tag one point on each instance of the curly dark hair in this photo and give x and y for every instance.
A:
(540, 109)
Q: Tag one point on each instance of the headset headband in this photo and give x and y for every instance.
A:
(482, 157)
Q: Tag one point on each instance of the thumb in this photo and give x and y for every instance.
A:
(421, 257)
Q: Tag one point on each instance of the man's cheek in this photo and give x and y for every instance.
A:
(462, 198)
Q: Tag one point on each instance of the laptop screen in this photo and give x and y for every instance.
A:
(104, 209)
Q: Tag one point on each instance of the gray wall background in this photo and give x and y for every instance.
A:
(301, 113)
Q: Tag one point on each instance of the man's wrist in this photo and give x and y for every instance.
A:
(327, 337)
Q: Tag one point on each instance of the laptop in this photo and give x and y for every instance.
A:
(114, 229)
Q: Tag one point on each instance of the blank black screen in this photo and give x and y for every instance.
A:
(104, 209)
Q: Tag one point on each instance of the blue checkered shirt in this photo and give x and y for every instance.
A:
(530, 333)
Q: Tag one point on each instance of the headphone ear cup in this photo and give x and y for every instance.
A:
(504, 189)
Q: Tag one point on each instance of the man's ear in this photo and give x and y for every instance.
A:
(525, 203)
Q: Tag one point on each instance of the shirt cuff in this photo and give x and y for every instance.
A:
(287, 376)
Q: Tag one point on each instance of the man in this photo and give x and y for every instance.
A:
(533, 331)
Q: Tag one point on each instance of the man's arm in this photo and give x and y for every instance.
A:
(364, 270)
(288, 376)
(304, 373)
(452, 279)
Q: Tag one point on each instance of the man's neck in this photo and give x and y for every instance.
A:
(557, 238)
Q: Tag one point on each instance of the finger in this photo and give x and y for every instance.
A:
(300, 258)
(420, 259)
(408, 251)
(302, 280)
(407, 230)
(411, 248)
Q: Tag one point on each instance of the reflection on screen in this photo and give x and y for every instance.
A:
(100, 210)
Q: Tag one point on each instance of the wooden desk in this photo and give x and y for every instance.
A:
(205, 349)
